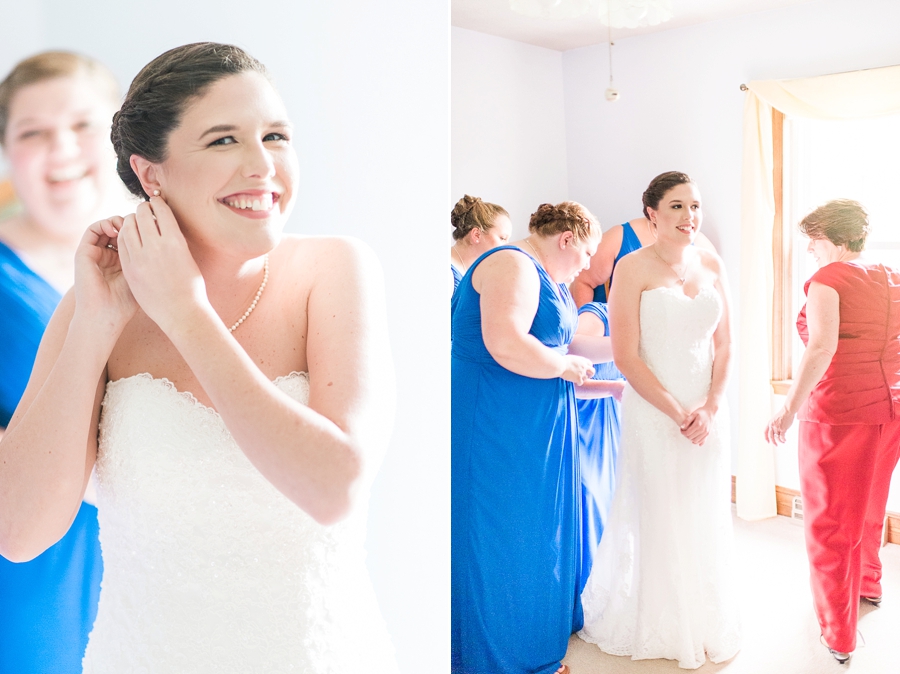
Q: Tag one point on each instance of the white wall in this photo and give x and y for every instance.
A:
(366, 85)
(681, 109)
(508, 144)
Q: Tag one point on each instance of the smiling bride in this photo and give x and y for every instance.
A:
(233, 387)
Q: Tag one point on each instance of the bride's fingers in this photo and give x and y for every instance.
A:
(165, 218)
(124, 252)
(129, 232)
(146, 223)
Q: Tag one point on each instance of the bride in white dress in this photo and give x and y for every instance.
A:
(661, 585)
(232, 386)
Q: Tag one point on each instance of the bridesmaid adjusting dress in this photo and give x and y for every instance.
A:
(515, 479)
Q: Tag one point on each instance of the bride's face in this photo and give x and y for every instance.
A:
(679, 214)
(230, 171)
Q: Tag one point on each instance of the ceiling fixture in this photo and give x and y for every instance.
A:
(613, 13)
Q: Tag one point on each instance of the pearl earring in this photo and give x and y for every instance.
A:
(155, 193)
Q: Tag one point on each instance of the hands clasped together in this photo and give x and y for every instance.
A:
(141, 260)
(696, 424)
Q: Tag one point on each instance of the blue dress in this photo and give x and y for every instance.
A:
(516, 529)
(598, 445)
(47, 605)
(457, 277)
(630, 243)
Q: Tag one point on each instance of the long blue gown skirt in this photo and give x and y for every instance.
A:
(47, 605)
(598, 446)
(516, 526)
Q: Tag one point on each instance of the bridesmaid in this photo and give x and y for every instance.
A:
(55, 115)
(598, 436)
(478, 226)
(516, 485)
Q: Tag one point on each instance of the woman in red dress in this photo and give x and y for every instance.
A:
(847, 395)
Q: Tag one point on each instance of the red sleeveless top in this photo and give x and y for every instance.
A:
(862, 383)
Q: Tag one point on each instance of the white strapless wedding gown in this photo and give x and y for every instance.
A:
(661, 585)
(207, 567)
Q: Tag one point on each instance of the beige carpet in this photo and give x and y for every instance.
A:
(781, 635)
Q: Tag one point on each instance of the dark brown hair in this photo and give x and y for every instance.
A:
(473, 213)
(567, 216)
(158, 96)
(844, 222)
(51, 65)
(658, 187)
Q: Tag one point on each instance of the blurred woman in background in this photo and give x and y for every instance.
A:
(55, 115)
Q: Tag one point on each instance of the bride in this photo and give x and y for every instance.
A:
(661, 585)
(232, 386)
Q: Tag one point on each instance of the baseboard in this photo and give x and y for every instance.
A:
(784, 499)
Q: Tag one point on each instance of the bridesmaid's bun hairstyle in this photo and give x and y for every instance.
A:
(568, 216)
(658, 187)
(844, 222)
(473, 213)
(51, 65)
(159, 95)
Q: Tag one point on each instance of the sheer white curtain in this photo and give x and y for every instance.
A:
(866, 93)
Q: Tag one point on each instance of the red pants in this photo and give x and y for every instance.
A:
(845, 475)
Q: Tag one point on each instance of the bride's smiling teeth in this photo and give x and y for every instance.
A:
(67, 174)
(246, 203)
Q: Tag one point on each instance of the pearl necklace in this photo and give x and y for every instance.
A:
(262, 286)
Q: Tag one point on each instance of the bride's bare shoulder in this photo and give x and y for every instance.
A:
(314, 257)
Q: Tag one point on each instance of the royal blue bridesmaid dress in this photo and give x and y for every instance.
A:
(516, 495)
(47, 605)
(630, 242)
(598, 446)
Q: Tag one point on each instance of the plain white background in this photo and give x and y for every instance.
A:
(367, 88)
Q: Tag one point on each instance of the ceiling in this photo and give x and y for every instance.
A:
(496, 18)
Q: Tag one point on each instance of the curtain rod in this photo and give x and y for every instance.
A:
(744, 87)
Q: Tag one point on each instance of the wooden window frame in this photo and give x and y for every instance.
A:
(783, 270)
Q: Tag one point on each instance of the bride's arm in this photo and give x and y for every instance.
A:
(316, 455)
(50, 446)
(625, 333)
(696, 427)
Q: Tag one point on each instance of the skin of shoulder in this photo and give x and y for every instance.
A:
(509, 286)
(600, 269)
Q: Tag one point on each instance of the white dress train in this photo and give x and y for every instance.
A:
(661, 585)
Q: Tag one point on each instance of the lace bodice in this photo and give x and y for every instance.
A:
(676, 339)
(208, 567)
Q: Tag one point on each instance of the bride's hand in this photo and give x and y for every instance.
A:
(697, 424)
(161, 272)
(101, 290)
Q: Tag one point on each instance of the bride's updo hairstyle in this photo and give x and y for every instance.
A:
(567, 216)
(658, 187)
(159, 95)
(844, 222)
(473, 213)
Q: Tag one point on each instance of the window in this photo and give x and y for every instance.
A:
(816, 161)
